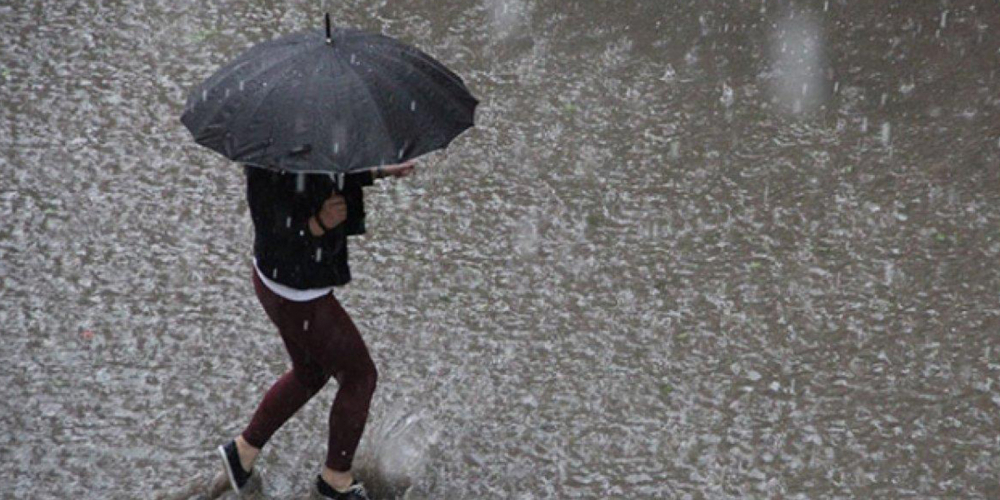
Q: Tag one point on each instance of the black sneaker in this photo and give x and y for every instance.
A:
(355, 492)
(231, 463)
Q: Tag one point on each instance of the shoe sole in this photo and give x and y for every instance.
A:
(229, 471)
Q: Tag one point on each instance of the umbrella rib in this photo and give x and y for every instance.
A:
(273, 88)
(450, 98)
(260, 73)
(371, 98)
(390, 43)
(390, 83)
(438, 116)
(248, 57)
(240, 154)
(309, 81)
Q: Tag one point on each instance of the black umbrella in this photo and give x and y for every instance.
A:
(329, 101)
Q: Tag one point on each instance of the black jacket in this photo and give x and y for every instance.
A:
(280, 206)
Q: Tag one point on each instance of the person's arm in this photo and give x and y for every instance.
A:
(367, 177)
(398, 170)
(353, 195)
(336, 207)
(279, 208)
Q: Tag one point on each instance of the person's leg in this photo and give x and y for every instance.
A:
(343, 354)
(296, 386)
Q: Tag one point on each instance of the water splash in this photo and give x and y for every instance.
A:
(395, 452)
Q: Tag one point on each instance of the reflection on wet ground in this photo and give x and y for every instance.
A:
(702, 249)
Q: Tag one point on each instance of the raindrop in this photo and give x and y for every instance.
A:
(288, 222)
(354, 59)
(413, 105)
(885, 134)
(274, 274)
(669, 74)
(675, 149)
(319, 254)
(336, 147)
(300, 183)
(305, 326)
(400, 155)
(204, 95)
(727, 98)
(241, 85)
(692, 56)
(227, 93)
(885, 97)
(944, 19)
(864, 125)
(826, 6)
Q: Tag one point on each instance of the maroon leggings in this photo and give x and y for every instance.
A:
(322, 342)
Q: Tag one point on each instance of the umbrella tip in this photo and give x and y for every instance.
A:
(329, 39)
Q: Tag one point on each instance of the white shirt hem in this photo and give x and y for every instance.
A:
(293, 294)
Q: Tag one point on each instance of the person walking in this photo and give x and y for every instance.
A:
(301, 224)
(320, 107)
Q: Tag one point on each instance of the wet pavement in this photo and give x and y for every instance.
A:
(702, 249)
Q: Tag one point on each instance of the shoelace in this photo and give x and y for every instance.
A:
(357, 489)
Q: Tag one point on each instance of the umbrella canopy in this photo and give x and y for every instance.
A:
(332, 101)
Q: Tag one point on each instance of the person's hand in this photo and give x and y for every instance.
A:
(398, 170)
(331, 214)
